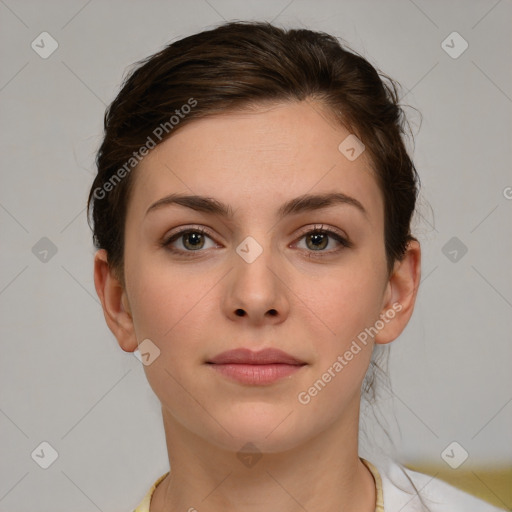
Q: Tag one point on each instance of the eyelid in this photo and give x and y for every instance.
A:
(181, 230)
(322, 227)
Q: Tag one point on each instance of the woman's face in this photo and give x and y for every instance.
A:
(254, 278)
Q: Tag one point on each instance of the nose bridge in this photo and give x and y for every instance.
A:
(253, 263)
(256, 290)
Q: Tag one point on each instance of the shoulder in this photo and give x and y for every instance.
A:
(399, 493)
(144, 504)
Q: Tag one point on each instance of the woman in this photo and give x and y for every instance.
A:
(252, 212)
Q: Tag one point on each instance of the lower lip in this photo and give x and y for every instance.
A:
(256, 374)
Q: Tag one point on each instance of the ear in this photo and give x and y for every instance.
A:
(400, 294)
(114, 302)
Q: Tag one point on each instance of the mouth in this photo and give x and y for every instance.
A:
(255, 368)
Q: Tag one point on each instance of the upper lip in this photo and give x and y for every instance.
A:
(246, 356)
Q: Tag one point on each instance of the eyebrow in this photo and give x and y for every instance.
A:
(304, 203)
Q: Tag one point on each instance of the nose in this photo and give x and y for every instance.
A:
(257, 292)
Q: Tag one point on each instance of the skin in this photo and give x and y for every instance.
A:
(291, 298)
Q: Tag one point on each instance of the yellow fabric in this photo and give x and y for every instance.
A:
(144, 504)
(379, 502)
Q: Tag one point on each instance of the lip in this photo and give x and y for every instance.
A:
(246, 356)
(255, 368)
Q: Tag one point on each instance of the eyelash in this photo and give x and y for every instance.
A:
(345, 243)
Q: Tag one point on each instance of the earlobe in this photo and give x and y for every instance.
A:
(400, 296)
(114, 302)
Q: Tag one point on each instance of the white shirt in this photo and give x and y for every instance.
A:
(438, 496)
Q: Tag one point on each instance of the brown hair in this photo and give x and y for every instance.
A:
(237, 65)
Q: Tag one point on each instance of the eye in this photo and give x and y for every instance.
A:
(188, 240)
(318, 239)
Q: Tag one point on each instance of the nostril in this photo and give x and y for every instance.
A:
(240, 312)
(272, 312)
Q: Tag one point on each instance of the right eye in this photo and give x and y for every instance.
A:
(188, 240)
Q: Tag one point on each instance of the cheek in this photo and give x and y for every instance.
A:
(347, 301)
(158, 297)
(166, 304)
(167, 309)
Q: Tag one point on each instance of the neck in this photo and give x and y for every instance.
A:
(323, 474)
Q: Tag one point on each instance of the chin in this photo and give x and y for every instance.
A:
(253, 428)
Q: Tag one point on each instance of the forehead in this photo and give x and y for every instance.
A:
(253, 159)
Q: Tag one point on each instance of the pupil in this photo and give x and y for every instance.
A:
(318, 240)
(193, 239)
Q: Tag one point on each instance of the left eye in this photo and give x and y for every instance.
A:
(319, 239)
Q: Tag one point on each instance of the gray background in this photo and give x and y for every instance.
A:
(64, 380)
